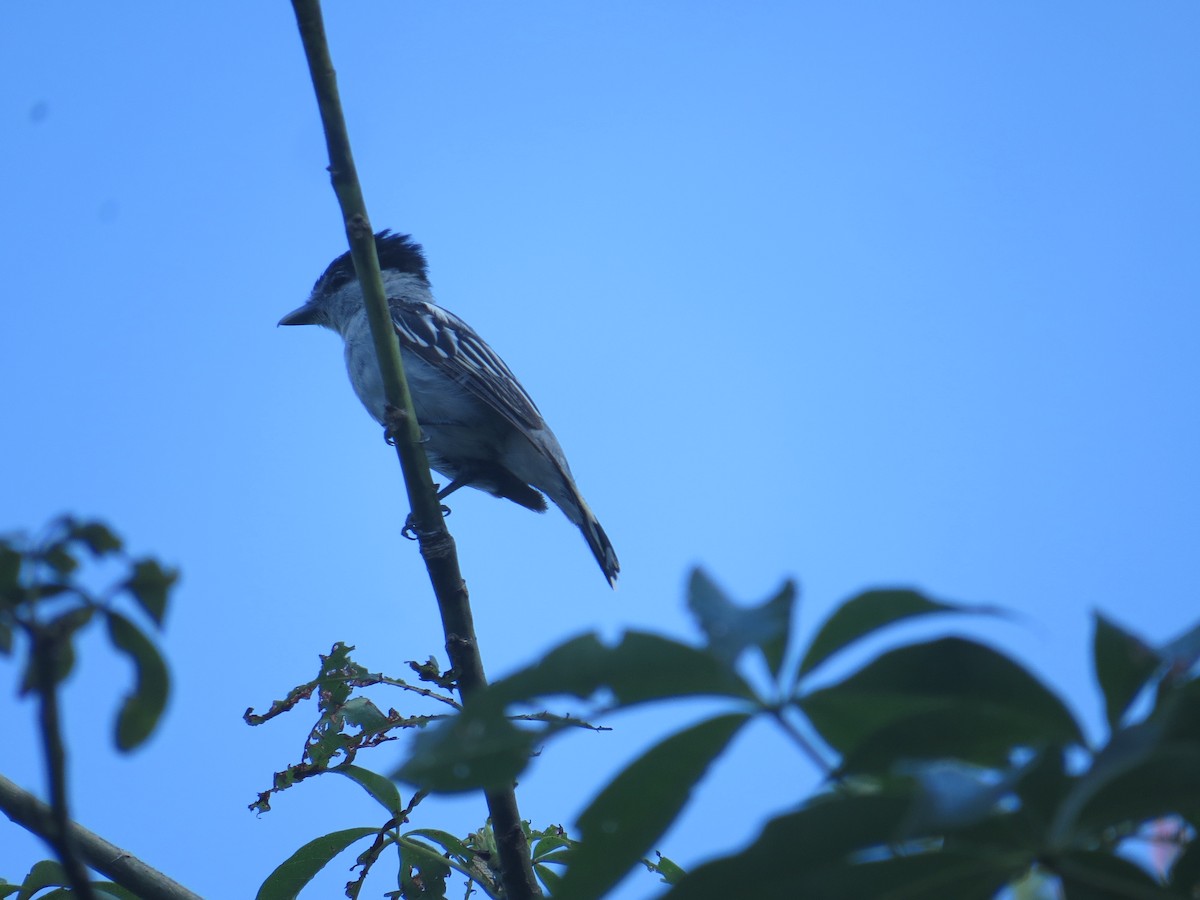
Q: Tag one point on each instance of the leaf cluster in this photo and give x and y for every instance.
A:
(950, 769)
(46, 602)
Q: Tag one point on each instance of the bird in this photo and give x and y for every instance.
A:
(479, 426)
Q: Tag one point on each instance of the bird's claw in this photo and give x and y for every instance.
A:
(410, 530)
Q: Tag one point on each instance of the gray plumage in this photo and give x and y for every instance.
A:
(481, 428)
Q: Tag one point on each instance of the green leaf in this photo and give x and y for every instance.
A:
(1165, 781)
(110, 889)
(641, 667)
(1093, 875)
(378, 786)
(96, 536)
(480, 748)
(940, 680)
(44, 874)
(6, 639)
(867, 613)
(361, 712)
(142, 708)
(6, 889)
(58, 557)
(1123, 664)
(428, 860)
(730, 629)
(150, 584)
(631, 813)
(453, 845)
(818, 837)
(670, 872)
(286, 882)
(1185, 872)
(57, 638)
(10, 572)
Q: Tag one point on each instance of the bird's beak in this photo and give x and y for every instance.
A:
(308, 314)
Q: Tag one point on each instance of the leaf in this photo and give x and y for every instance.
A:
(453, 844)
(1123, 664)
(44, 874)
(641, 667)
(870, 611)
(141, 709)
(10, 573)
(827, 830)
(96, 536)
(939, 679)
(479, 748)
(150, 584)
(290, 877)
(361, 712)
(56, 639)
(110, 889)
(1093, 875)
(429, 861)
(1181, 654)
(957, 874)
(636, 808)
(670, 872)
(730, 629)
(378, 786)
(1185, 872)
(58, 557)
(1166, 780)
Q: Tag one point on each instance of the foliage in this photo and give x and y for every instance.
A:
(951, 769)
(47, 599)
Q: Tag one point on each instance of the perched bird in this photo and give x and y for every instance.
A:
(480, 427)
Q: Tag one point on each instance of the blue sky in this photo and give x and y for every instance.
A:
(856, 293)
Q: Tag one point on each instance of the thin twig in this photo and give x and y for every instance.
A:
(46, 649)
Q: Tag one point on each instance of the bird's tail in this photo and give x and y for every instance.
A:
(577, 510)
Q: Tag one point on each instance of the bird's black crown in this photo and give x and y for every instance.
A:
(398, 252)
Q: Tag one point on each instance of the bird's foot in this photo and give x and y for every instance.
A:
(394, 420)
(410, 529)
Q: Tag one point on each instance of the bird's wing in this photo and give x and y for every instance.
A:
(449, 344)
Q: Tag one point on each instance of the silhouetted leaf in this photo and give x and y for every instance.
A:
(378, 786)
(96, 536)
(730, 628)
(633, 811)
(480, 748)
(302, 866)
(150, 584)
(639, 668)
(1123, 664)
(143, 707)
(56, 642)
(1166, 780)
(1092, 875)
(59, 557)
(10, 573)
(1185, 872)
(940, 679)
(822, 835)
(868, 612)
(1180, 655)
